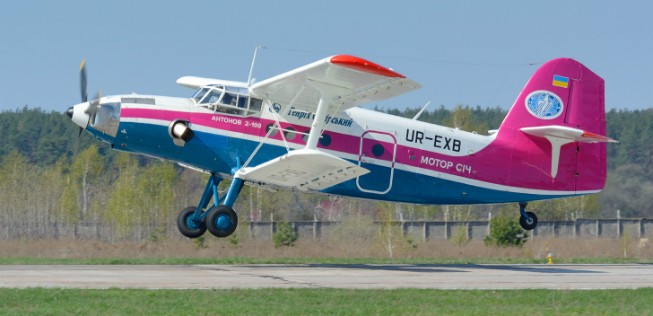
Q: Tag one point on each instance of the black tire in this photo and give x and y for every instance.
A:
(530, 223)
(187, 227)
(221, 221)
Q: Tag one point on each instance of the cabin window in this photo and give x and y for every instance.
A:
(325, 140)
(377, 150)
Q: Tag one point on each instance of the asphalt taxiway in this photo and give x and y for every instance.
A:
(382, 276)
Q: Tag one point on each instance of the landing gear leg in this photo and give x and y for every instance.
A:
(191, 220)
(222, 220)
(527, 220)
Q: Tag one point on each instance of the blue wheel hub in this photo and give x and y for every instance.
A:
(223, 222)
(190, 222)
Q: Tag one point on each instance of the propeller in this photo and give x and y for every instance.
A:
(92, 107)
(83, 82)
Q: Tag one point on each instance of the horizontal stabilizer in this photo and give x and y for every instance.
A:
(304, 169)
(559, 136)
(567, 133)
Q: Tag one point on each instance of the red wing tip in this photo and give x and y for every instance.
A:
(364, 65)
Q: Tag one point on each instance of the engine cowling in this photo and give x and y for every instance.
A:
(180, 131)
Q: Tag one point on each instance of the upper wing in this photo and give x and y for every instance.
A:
(347, 80)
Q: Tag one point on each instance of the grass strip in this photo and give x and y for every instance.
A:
(39, 301)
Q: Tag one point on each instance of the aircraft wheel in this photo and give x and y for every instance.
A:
(528, 223)
(187, 226)
(221, 221)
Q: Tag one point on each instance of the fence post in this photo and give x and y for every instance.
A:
(425, 233)
(489, 222)
(619, 233)
(273, 225)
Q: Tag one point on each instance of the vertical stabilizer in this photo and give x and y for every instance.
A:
(557, 127)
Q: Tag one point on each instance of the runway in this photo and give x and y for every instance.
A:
(384, 276)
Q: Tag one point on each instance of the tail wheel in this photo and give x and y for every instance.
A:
(528, 222)
(188, 226)
(221, 221)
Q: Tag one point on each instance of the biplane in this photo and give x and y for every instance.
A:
(305, 130)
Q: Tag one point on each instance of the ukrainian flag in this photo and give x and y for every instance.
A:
(560, 81)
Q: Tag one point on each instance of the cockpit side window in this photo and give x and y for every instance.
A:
(229, 99)
(255, 104)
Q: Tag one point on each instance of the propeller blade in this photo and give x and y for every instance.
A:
(79, 136)
(82, 80)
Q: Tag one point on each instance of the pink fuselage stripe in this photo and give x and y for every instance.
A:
(491, 165)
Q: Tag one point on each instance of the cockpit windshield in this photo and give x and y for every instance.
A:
(199, 94)
(230, 100)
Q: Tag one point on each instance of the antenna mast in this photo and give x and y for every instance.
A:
(251, 68)
(420, 111)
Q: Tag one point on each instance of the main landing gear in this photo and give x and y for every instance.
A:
(220, 219)
(527, 220)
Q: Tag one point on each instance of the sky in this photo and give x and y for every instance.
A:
(477, 53)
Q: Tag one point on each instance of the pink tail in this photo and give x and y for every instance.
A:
(557, 128)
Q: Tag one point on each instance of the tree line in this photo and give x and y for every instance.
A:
(48, 175)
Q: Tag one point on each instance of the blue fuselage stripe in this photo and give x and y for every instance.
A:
(221, 154)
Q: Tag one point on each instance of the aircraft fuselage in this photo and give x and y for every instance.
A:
(409, 160)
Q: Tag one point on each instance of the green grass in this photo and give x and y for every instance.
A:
(244, 260)
(323, 301)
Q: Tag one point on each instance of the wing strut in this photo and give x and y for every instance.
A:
(327, 91)
(318, 124)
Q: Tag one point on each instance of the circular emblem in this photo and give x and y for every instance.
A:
(275, 108)
(543, 104)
